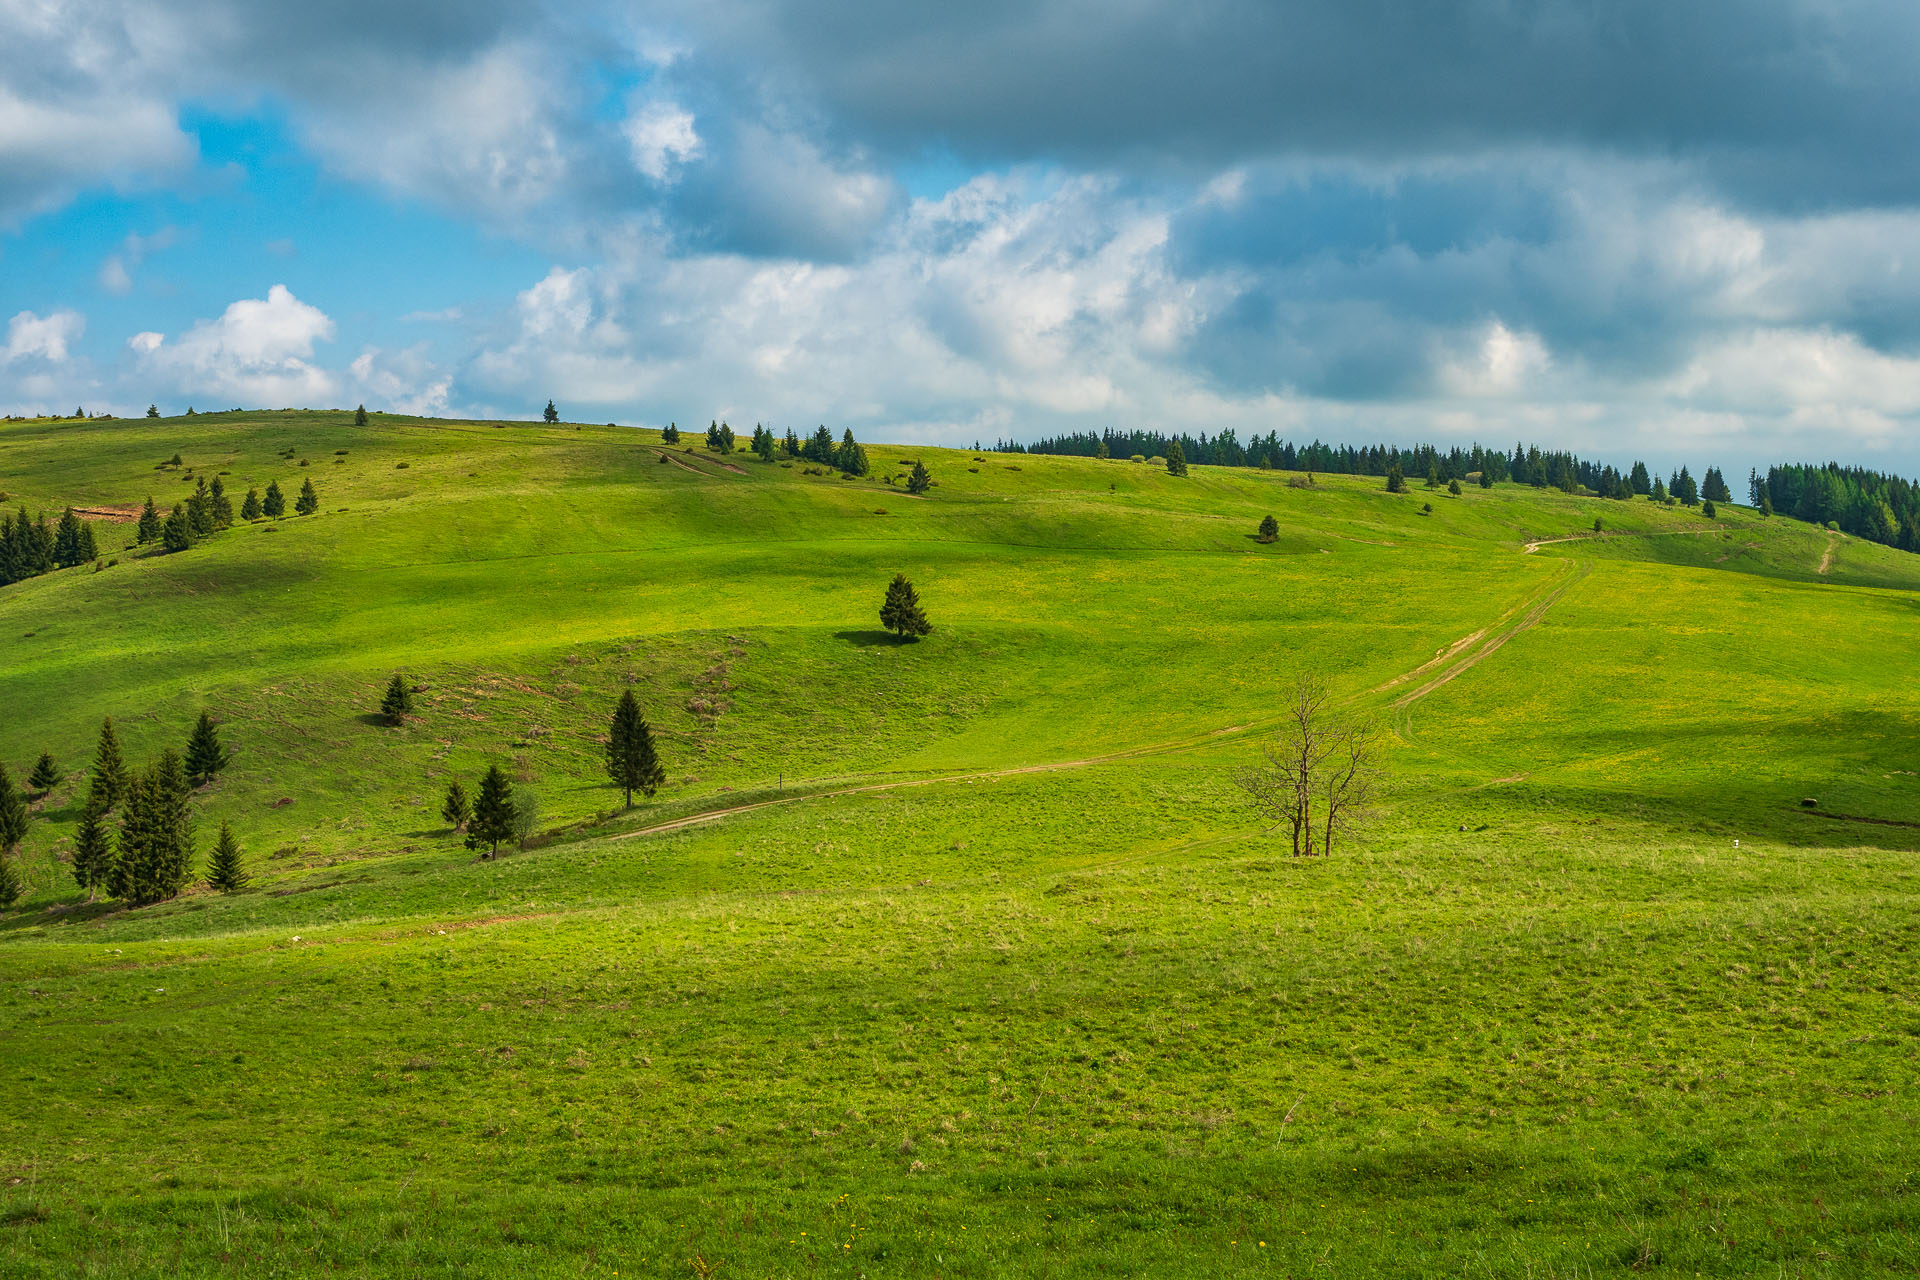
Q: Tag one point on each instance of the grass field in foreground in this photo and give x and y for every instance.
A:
(931, 1012)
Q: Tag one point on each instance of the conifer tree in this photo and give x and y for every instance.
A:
(1486, 477)
(73, 542)
(1766, 502)
(790, 446)
(457, 809)
(725, 441)
(10, 885)
(1707, 509)
(200, 511)
(308, 502)
(225, 871)
(274, 505)
(1176, 459)
(901, 612)
(713, 435)
(1453, 487)
(107, 781)
(851, 456)
(205, 756)
(92, 853)
(551, 414)
(397, 703)
(632, 760)
(153, 411)
(670, 435)
(155, 860)
(763, 444)
(46, 774)
(920, 480)
(1396, 478)
(177, 533)
(360, 416)
(1269, 529)
(1658, 492)
(219, 505)
(493, 813)
(149, 527)
(250, 508)
(13, 813)
(819, 446)
(1433, 476)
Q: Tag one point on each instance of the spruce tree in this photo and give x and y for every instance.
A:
(177, 534)
(920, 480)
(551, 414)
(1486, 477)
(200, 511)
(457, 810)
(1396, 478)
(671, 434)
(46, 774)
(225, 871)
(790, 444)
(1453, 487)
(360, 416)
(149, 527)
(274, 505)
(1707, 509)
(308, 502)
(763, 444)
(1176, 459)
(10, 885)
(156, 835)
(1766, 502)
(851, 456)
(493, 813)
(72, 543)
(205, 757)
(13, 813)
(901, 612)
(92, 853)
(397, 703)
(250, 508)
(632, 760)
(107, 781)
(153, 411)
(220, 505)
(1269, 529)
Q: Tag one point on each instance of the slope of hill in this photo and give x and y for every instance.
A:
(977, 964)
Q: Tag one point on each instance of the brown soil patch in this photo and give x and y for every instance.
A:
(114, 515)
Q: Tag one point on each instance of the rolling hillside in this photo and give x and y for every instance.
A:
(961, 957)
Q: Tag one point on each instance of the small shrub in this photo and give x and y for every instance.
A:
(340, 453)
(401, 466)
(1136, 458)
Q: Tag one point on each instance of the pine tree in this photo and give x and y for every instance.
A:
(10, 886)
(1766, 502)
(1659, 491)
(274, 505)
(920, 480)
(1176, 459)
(551, 414)
(1269, 529)
(46, 774)
(819, 446)
(1639, 481)
(1708, 510)
(153, 411)
(13, 813)
(632, 760)
(850, 457)
(156, 835)
(1486, 477)
(200, 511)
(73, 543)
(177, 533)
(92, 853)
(901, 613)
(1453, 487)
(149, 527)
(457, 809)
(220, 505)
(250, 508)
(205, 756)
(360, 416)
(308, 502)
(397, 703)
(225, 871)
(1433, 476)
(493, 813)
(670, 435)
(790, 445)
(107, 781)
(764, 444)
(1396, 478)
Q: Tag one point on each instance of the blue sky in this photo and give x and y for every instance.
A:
(1682, 233)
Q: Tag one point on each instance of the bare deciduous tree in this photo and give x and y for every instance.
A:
(1319, 778)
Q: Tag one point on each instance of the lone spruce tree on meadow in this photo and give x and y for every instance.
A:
(107, 781)
(632, 760)
(148, 530)
(901, 613)
(919, 480)
(1269, 529)
(360, 416)
(92, 853)
(1396, 478)
(493, 813)
(205, 756)
(46, 774)
(274, 505)
(308, 502)
(250, 508)
(457, 809)
(1176, 459)
(550, 413)
(225, 871)
(397, 703)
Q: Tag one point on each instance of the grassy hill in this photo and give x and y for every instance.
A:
(977, 965)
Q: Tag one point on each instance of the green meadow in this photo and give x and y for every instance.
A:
(963, 957)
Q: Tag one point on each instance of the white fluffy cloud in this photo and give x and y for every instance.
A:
(259, 352)
(48, 338)
(662, 136)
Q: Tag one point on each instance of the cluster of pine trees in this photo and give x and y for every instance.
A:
(1867, 504)
(146, 854)
(847, 454)
(209, 510)
(30, 547)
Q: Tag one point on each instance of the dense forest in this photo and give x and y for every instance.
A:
(1867, 504)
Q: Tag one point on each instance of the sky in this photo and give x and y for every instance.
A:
(1633, 229)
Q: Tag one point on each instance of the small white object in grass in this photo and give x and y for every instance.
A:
(1736, 844)
(296, 938)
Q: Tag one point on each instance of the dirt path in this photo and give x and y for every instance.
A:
(1537, 543)
(684, 465)
(1826, 557)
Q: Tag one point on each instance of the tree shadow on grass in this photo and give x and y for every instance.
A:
(868, 639)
